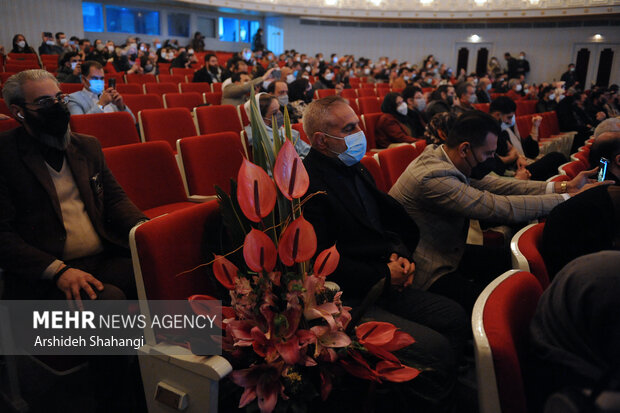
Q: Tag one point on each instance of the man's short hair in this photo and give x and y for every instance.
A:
(58, 35)
(402, 69)
(88, 64)
(12, 91)
(607, 147)
(472, 127)
(462, 89)
(503, 105)
(410, 91)
(271, 88)
(513, 82)
(608, 125)
(65, 57)
(82, 41)
(236, 77)
(317, 117)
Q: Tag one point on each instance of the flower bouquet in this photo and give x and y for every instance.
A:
(286, 328)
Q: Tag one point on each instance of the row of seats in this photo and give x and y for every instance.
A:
(524, 107)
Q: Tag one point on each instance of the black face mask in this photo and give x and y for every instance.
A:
(481, 169)
(450, 100)
(50, 125)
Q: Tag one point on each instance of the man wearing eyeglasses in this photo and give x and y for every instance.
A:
(64, 220)
(95, 98)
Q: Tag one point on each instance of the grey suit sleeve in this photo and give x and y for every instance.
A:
(509, 186)
(453, 196)
(236, 91)
(77, 106)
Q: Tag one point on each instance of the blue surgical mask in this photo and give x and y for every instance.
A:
(509, 125)
(356, 148)
(96, 86)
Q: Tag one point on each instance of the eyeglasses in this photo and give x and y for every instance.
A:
(48, 102)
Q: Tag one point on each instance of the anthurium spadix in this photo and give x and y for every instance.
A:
(298, 242)
(256, 192)
(259, 251)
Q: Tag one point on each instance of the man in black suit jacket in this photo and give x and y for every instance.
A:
(373, 233)
(64, 220)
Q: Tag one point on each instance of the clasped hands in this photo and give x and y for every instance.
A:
(401, 271)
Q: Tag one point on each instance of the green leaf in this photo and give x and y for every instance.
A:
(262, 149)
(232, 217)
(288, 133)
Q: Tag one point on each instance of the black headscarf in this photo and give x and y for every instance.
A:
(297, 90)
(389, 106)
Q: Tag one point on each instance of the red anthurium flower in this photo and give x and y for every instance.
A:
(396, 372)
(358, 367)
(400, 340)
(207, 306)
(259, 251)
(376, 333)
(326, 262)
(298, 242)
(289, 172)
(256, 192)
(225, 271)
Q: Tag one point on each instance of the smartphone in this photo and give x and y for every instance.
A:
(112, 82)
(277, 74)
(602, 169)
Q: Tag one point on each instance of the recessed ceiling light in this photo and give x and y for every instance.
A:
(331, 2)
(474, 38)
(534, 2)
(598, 37)
(426, 2)
(376, 2)
(480, 2)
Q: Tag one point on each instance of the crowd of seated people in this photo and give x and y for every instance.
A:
(436, 197)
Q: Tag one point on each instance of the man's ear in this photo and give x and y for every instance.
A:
(17, 112)
(464, 147)
(318, 140)
(617, 160)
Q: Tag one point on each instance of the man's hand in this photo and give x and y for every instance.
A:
(601, 116)
(401, 271)
(106, 97)
(117, 99)
(582, 182)
(521, 162)
(268, 73)
(74, 280)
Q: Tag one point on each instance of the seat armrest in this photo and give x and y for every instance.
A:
(201, 198)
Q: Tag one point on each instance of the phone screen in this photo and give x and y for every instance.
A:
(277, 74)
(602, 171)
(112, 82)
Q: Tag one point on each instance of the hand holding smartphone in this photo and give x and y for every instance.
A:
(602, 170)
(112, 82)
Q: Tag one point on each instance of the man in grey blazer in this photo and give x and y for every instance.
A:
(94, 98)
(447, 185)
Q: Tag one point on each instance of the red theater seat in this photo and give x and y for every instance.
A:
(373, 167)
(138, 103)
(369, 105)
(188, 100)
(111, 129)
(525, 250)
(219, 118)
(394, 161)
(166, 125)
(200, 87)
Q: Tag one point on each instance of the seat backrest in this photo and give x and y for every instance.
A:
(525, 251)
(4, 109)
(558, 178)
(120, 78)
(129, 88)
(166, 125)
(552, 121)
(583, 157)
(484, 107)
(323, 93)
(8, 124)
(373, 167)
(30, 57)
(209, 160)
(164, 67)
(148, 173)
(299, 127)
(111, 129)
(187, 100)
(140, 79)
(5, 76)
(369, 122)
(69, 88)
(525, 107)
(165, 247)
(394, 161)
(243, 115)
(218, 118)
(366, 92)
(369, 104)
(524, 124)
(368, 85)
(200, 87)
(182, 71)
(216, 86)
(160, 88)
(572, 169)
(213, 98)
(350, 94)
(500, 320)
(176, 79)
(138, 103)
(18, 67)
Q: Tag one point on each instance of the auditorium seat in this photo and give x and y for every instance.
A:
(120, 78)
(365, 92)
(243, 115)
(368, 86)
(182, 71)
(381, 93)
(111, 129)
(149, 174)
(200, 87)
(373, 167)
(69, 88)
(23, 57)
(219, 118)
(188, 100)
(349, 94)
(166, 125)
(140, 79)
(5, 76)
(164, 67)
(484, 107)
(299, 127)
(140, 102)
(160, 88)
(572, 169)
(500, 320)
(19, 67)
(176, 79)
(369, 122)
(582, 156)
(525, 251)
(129, 89)
(4, 109)
(323, 93)
(213, 98)
(8, 124)
(558, 178)
(216, 86)
(209, 160)
(161, 249)
(369, 104)
(394, 160)
(525, 107)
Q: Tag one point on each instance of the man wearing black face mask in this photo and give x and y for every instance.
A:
(64, 220)
(447, 186)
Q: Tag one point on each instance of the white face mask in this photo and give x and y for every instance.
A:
(518, 88)
(552, 96)
(356, 148)
(110, 49)
(49, 43)
(526, 91)
(63, 41)
(472, 98)
(73, 65)
(420, 104)
(100, 46)
(329, 76)
(509, 125)
(21, 44)
(402, 108)
(366, 71)
(283, 100)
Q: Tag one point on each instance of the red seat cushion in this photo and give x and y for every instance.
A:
(167, 209)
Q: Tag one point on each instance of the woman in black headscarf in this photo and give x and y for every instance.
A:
(300, 95)
(393, 125)
(20, 45)
(575, 333)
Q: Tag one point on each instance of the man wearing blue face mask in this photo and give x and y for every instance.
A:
(94, 98)
(375, 238)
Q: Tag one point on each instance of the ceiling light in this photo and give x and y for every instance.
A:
(331, 2)
(480, 2)
(474, 38)
(426, 2)
(376, 2)
(534, 2)
(598, 37)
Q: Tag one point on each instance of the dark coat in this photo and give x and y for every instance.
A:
(339, 219)
(32, 233)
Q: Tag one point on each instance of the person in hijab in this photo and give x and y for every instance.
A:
(269, 108)
(326, 79)
(438, 128)
(20, 45)
(393, 125)
(299, 95)
(575, 332)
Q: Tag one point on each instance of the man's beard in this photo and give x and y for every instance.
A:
(60, 143)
